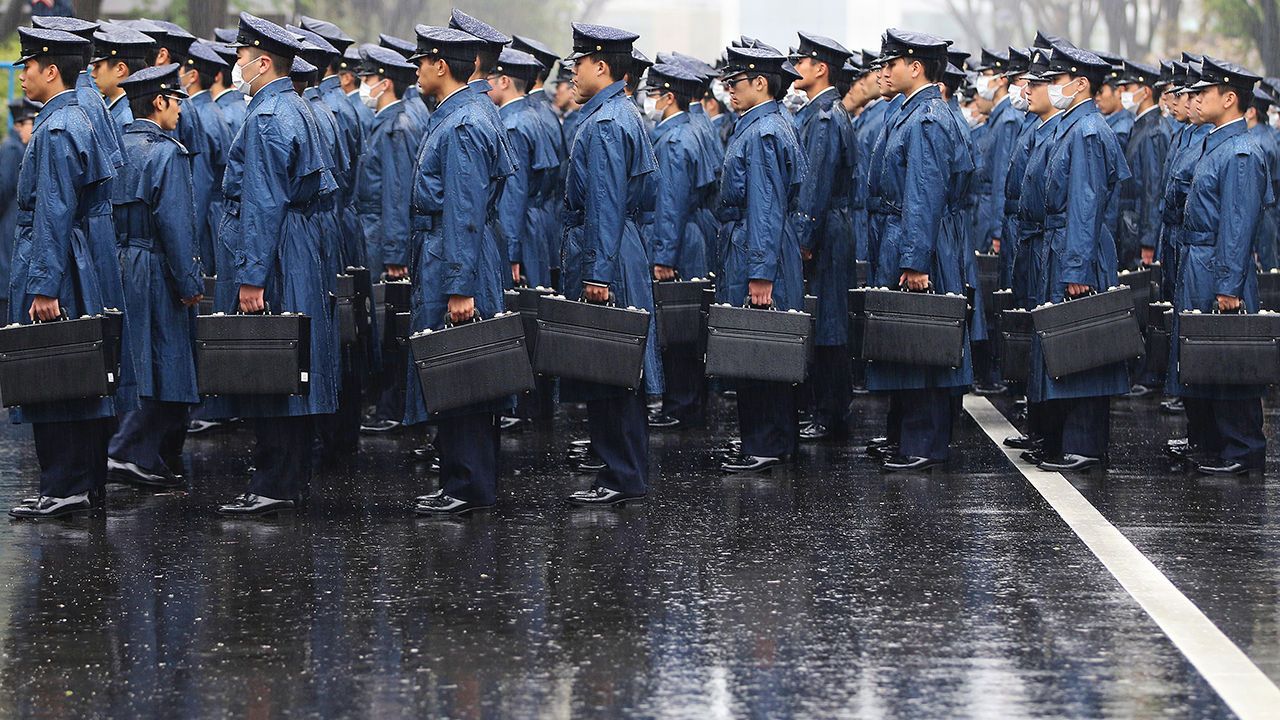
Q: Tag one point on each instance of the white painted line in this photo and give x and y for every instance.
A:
(1244, 688)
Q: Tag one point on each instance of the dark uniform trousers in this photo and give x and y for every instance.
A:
(72, 456)
(1075, 426)
(340, 432)
(282, 457)
(395, 363)
(468, 449)
(619, 429)
(919, 421)
(1229, 429)
(831, 385)
(682, 371)
(152, 436)
(768, 418)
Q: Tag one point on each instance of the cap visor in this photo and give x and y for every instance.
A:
(1201, 85)
(572, 57)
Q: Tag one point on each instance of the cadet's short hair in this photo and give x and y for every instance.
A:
(69, 66)
(777, 88)
(487, 60)
(682, 101)
(205, 79)
(142, 107)
(1245, 97)
(281, 63)
(398, 87)
(933, 69)
(520, 84)
(153, 54)
(460, 70)
(619, 63)
(135, 64)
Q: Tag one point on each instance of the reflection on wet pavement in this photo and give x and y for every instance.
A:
(825, 590)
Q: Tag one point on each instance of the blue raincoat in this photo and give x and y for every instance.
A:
(683, 180)
(522, 206)
(120, 111)
(154, 213)
(1179, 167)
(820, 219)
(414, 104)
(1003, 128)
(460, 168)
(610, 156)
(724, 125)
(105, 129)
(208, 147)
(704, 212)
(1032, 211)
(877, 212)
(1267, 225)
(274, 185)
(231, 103)
(1083, 167)
(363, 112)
(384, 186)
(1121, 123)
(964, 206)
(1012, 243)
(553, 192)
(1225, 202)
(866, 129)
(345, 246)
(764, 169)
(1145, 154)
(216, 142)
(351, 133)
(59, 248)
(917, 176)
(11, 152)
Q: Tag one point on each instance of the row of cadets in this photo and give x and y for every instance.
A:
(414, 101)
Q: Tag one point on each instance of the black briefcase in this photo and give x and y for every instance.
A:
(1000, 301)
(758, 344)
(1229, 349)
(584, 341)
(914, 328)
(1016, 330)
(1088, 332)
(206, 302)
(391, 302)
(60, 360)
(811, 309)
(524, 300)
(861, 273)
(472, 363)
(857, 321)
(988, 278)
(1269, 290)
(345, 299)
(678, 310)
(1139, 282)
(1159, 331)
(253, 354)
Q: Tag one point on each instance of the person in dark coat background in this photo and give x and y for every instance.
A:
(22, 113)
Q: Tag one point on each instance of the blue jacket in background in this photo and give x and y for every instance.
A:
(522, 205)
(683, 181)
(1145, 153)
(384, 186)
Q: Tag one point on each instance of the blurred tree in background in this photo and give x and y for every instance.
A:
(1257, 22)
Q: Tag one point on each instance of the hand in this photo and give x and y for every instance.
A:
(1148, 255)
(1076, 289)
(595, 293)
(251, 299)
(1228, 303)
(995, 245)
(515, 273)
(461, 308)
(912, 280)
(663, 272)
(397, 272)
(761, 292)
(45, 308)
(192, 301)
(806, 254)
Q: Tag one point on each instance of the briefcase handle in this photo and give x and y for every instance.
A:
(612, 301)
(1218, 311)
(928, 289)
(448, 323)
(746, 303)
(62, 315)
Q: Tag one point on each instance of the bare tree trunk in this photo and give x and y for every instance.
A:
(12, 17)
(1267, 36)
(205, 15)
(87, 9)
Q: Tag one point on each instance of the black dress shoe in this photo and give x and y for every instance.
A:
(901, 463)
(1177, 442)
(816, 431)
(1172, 407)
(600, 497)
(195, 427)
(1071, 462)
(250, 505)
(860, 390)
(447, 505)
(52, 507)
(1021, 442)
(664, 422)
(1032, 456)
(750, 463)
(882, 452)
(1218, 466)
(428, 497)
(506, 422)
(590, 465)
(377, 427)
(128, 473)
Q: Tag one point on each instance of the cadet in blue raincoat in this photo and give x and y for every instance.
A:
(22, 113)
(384, 184)
(760, 183)
(199, 66)
(1012, 275)
(610, 157)
(57, 269)
(1264, 134)
(154, 213)
(274, 183)
(349, 68)
(118, 53)
(683, 179)
(1224, 205)
(413, 100)
(821, 226)
(540, 96)
(1077, 255)
(1003, 127)
(229, 100)
(1145, 153)
(913, 183)
(455, 265)
(1180, 164)
(105, 127)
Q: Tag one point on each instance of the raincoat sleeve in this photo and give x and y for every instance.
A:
(53, 217)
(821, 149)
(513, 204)
(1245, 190)
(1004, 140)
(674, 203)
(263, 201)
(173, 215)
(923, 196)
(395, 160)
(767, 191)
(466, 197)
(1087, 200)
(606, 182)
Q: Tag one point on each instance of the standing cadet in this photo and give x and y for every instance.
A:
(821, 226)
(384, 185)
(1145, 154)
(22, 114)
(542, 97)
(1084, 164)
(413, 100)
(610, 156)
(275, 175)
(1224, 205)
(764, 169)
(198, 69)
(230, 100)
(117, 54)
(683, 181)
(1010, 245)
(521, 206)
(348, 116)
(155, 211)
(106, 129)
(1265, 136)
(456, 267)
(65, 177)
(349, 80)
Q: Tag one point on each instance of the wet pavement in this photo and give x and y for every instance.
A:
(826, 590)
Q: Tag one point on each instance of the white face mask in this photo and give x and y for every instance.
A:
(795, 99)
(238, 81)
(1127, 102)
(651, 110)
(1058, 99)
(1018, 98)
(986, 90)
(367, 97)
